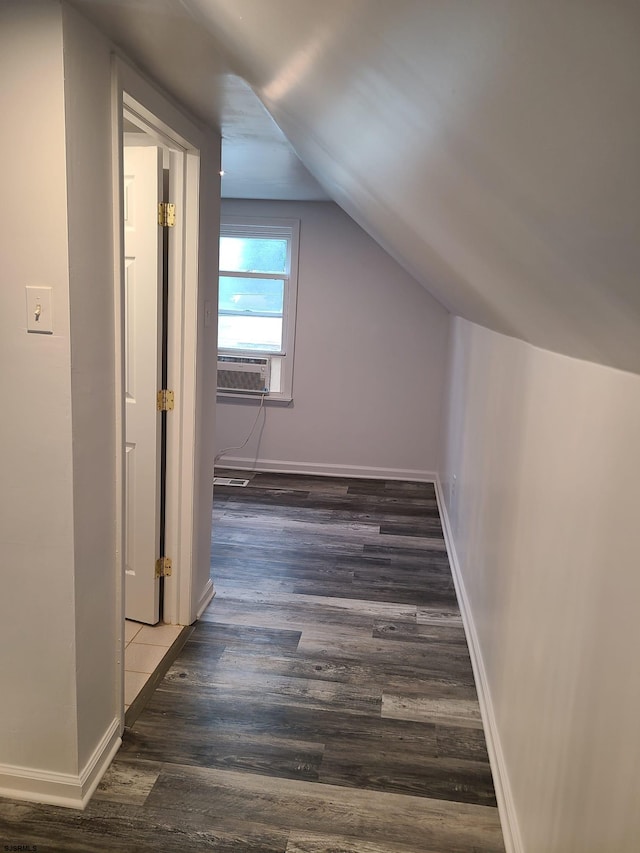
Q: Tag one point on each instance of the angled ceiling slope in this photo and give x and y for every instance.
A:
(491, 148)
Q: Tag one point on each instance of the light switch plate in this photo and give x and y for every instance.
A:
(39, 312)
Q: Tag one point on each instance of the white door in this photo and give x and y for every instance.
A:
(142, 364)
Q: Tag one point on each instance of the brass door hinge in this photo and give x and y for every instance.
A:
(166, 214)
(163, 567)
(165, 400)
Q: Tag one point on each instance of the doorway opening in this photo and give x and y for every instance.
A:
(147, 191)
(156, 310)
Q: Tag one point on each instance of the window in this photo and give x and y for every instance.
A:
(257, 294)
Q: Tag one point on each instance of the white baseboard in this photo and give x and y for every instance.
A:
(504, 796)
(205, 598)
(326, 469)
(62, 789)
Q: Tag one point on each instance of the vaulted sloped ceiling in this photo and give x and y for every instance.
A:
(492, 147)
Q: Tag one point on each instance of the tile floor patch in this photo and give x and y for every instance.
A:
(158, 635)
(133, 684)
(130, 630)
(145, 647)
(139, 657)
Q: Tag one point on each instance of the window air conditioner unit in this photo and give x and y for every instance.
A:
(244, 374)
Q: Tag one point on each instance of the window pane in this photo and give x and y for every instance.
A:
(250, 333)
(251, 254)
(251, 296)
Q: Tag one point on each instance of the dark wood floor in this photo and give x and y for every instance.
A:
(324, 704)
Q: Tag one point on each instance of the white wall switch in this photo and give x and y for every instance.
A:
(39, 313)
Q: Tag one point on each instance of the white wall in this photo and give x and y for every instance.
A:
(59, 627)
(37, 612)
(544, 514)
(87, 67)
(369, 362)
(59, 616)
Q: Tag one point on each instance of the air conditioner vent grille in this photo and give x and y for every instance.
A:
(244, 374)
(233, 379)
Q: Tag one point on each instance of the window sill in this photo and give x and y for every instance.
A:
(269, 399)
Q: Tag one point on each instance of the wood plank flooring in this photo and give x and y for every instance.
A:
(324, 704)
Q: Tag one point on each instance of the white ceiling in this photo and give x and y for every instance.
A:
(492, 147)
(166, 42)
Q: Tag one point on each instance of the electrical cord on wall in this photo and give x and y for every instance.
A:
(219, 456)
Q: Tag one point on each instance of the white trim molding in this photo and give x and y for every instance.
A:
(62, 789)
(504, 796)
(326, 469)
(205, 598)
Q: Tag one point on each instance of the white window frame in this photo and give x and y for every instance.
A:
(281, 362)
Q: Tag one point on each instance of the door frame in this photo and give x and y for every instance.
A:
(186, 140)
